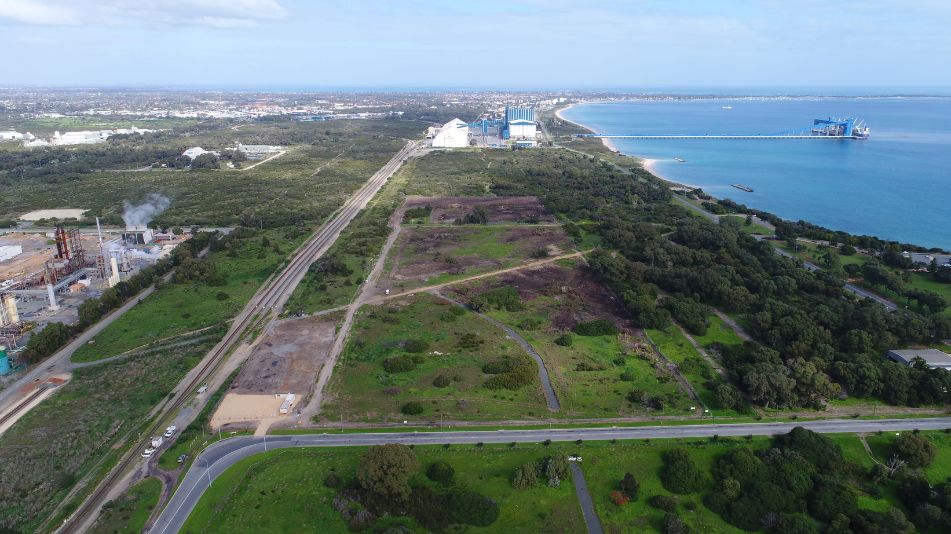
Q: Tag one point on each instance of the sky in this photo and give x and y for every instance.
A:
(517, 44)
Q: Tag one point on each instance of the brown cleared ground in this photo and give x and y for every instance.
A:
(499, 209)
(427, 255)
(570, 295)
(288, 358)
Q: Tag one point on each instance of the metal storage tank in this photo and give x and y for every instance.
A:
(5, 368)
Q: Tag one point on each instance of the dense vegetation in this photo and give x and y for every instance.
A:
(812, 338)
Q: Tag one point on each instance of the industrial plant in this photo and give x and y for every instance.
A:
(46, 275)
(514, 126)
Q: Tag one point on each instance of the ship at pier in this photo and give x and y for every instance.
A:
(847, 127)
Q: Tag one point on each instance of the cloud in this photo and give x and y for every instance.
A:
(34, 13)
(209, 13)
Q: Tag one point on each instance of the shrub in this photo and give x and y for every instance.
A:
(415, 345)
(680, 473)
(472, 508)
(412, 408)
(441, 381)
(674, 525)
(619, 498)
(333, 480)
(510, 373)
(399, 364)
(500, 298)
(440, 472)
(598, 327)
(629, 486)
(524, 476)
(664, 502)
(385, 470)
(222, 296)
(565, 340)
(628, 376)
(916, 449)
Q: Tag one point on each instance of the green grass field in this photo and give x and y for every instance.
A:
(178, 308)
(718, 333)
(923, 281)
(361, 390)
(282, 491)
(272, 491)
(696, 370)
(128, 513)
(585, 376)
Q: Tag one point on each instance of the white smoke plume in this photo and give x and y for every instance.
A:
(141, 214)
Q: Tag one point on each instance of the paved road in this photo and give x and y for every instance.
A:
(550, 398)
(591, 519)
(221, 455)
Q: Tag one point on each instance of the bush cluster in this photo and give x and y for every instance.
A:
(510, 372)
(597, 327)
(550, 470)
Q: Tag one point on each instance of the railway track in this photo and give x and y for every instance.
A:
(263, 305)
(23, 404)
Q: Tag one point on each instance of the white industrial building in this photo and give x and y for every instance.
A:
(11, 135)
(257, 151)
(453, 134)
(82, 137)
(933, 358)
(195, 151)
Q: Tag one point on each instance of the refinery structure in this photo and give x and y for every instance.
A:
(46, 275)
(512, 126)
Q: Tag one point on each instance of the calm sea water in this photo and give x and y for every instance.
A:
(895, 185)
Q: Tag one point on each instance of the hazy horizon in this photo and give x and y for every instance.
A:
(528, 44)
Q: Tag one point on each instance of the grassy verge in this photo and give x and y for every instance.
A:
(80, 430)
(177, 308)
(128, 513)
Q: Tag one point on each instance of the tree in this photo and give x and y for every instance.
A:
(412, 408)
(730, 487)
(385, 470)
(916, 449)
(46, 341)
(440, 471)
(680, 473)
(674, 525)
(629, 486)
(727, 396)
(205, 161)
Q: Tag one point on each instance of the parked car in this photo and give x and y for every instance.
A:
(181, 458)
(170, 431)
(147, 453)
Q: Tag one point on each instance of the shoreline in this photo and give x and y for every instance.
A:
(648, 164)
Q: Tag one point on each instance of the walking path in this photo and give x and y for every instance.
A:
(265, 160)
(700, 350)
(591, 519)
(737, 328)
(550, 398)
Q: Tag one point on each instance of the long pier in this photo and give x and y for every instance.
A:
(716, 136)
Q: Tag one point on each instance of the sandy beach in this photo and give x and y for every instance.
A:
(649, 164)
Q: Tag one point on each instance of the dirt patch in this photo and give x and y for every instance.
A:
(571, 295)
(238, 408)
(422, 253)
(288, 358)
(499, 209)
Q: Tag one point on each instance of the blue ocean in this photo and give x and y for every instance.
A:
(895, 185)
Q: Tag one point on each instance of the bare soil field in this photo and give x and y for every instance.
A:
(437, 254)
(499, 209)
(288, 358)
(571, 295)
